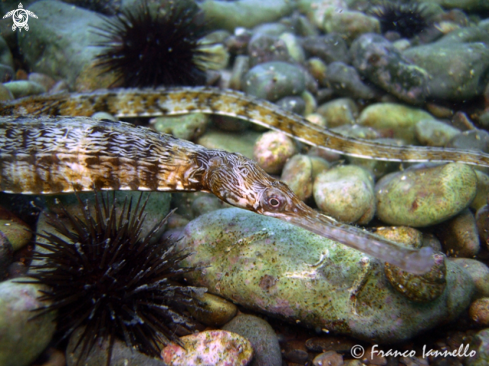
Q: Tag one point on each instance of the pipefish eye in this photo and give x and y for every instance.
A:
(274, 199)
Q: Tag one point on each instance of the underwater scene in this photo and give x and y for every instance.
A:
(247, 182)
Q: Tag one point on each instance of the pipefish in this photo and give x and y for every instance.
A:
(51, 155)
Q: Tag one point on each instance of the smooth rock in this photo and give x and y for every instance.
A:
(458, 71)
(121, 354)
(262, 337)
(22, 337)
(479, 273)
(242, 143)
(274, 80)
(482, 196)
(266, 48)
(293, 46)
(329, 358)
(17, 232)
(24, 88)
(349, 24)
(431, 132)
(294, 104)
(338, 112)
(345, 81)
(59, 45)
(459, 235)
(482, 220)
(384, 65)
(247, 14)
(272, 150)
(187, 127)
(46, 81)
(212, 347)
(218, 311)
(393, 120)
(479, 311)
(329, 48)
(6, 255)
(472, 140)
(5, 93)
(346, 193)
(425, 195)
(480, 356)
(282, 270)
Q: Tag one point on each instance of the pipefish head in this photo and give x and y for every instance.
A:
(238, 181)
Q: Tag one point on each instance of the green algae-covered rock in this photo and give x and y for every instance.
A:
(279, 269)
(393, 119)
(425, 195)
(22, 338)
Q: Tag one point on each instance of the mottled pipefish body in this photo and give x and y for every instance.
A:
(176, 101)
(65, 154)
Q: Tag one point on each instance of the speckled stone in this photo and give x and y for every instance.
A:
(479, 273)
(393, 119)
(24, 88)
(481, 349)
(261, 336)
(338, 112)
(346, 193)
(22, 338)
(349, 24)
(187, 127)
(479, 311)
(482, 196)
(242, 143)
(218, 311)
(425, 195)
(212, 347)
(431, 132)
(459, 235)
(282, 270)
(272, 150)
(482, 220)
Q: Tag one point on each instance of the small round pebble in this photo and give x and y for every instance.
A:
(482, 221)
(187, 127)
(212, 347)
(346, 193)
(328, 358)
(261, 336)
(479, 273)
(297, 174)
(459, 235)
(24, 88)
(482, 196)
(22, 337)
(17, 233)
(272, 150)
(431, 132)
(205, 203)
(479, 311)
(424, 194)
(338, 112)
(218, 311)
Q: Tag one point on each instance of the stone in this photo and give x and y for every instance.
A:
(287, 272)
(22, 337)
(425, 195)
(187, 127)
(272, 150)
(218, 311)
(212, 347)
(262, 337)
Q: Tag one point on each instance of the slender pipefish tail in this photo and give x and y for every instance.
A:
(177, 101)
(46, 155)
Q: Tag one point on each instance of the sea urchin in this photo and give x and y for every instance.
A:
(145, 50)
(406, 19)
(105, 277)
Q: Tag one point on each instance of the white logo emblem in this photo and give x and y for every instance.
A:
(20, 17)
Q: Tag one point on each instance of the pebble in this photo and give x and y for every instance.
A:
(471, 140)
(393, 120)
(6, 73)
(482, 220)
(46, 81)
(187, 127)
(6, 255)
(338, 112)
(104, 116)
(457, 70)
(295, 351)
(262, 337)
(479, 273)
(330, 343)
(17, 232)
(22, 337)
(480, 357)
(297, 174)
(290, 273)
(328, 358)
(431, 132)
(218, 311)
(479, 311)
(213, 347)
(346, 81)
(317, 68)
(205, 203)
(242, 143)
(329, 48)
(383, 64)
(459, 235)
(272, 150)
(5, 93)
(425, 195)
(229, 15)
(240, 67)
(293, 104)
(266, 48)
(121, 354)
(346, 193)
(294, 47)
(349, 24)
(24, 88)
(274, 80)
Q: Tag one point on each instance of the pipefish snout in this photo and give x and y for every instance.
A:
(66, 154)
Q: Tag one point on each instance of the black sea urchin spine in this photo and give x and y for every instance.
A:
(104, 276)
(146, 50)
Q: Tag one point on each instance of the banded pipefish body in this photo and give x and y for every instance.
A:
(42, 153)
